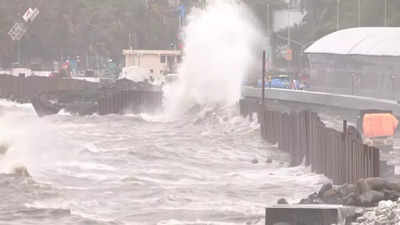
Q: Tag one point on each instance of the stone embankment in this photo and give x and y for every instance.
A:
(386, 213)
(366, 192)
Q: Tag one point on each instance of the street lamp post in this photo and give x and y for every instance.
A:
(359, 13)
(338, 15)
(288, 24)
(386, 13)
(19, 60)
(289, 37)
(268, 18)
(269, 32)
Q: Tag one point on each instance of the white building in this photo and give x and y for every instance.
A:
(156, 62)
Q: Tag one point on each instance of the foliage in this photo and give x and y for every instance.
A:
(104, 27)
(86, 27)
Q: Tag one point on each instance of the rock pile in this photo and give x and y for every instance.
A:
(366, 192)
(387, 213)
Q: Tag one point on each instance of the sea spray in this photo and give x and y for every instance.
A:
(30, 143)
(221, 43)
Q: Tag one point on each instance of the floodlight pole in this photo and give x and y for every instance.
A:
(19, 51)
(359, 13)
(289, 41)
(386, 13)
(338, 15)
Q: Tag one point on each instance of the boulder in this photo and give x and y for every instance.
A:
(254, 161)
(324, 188)
(366, 192)
(306, 201)
(371, 198)
(3, 149)
(21, 171)
(332, 196)
(269, 160)
(347, 189)
(391, 194)
(350, 199)
(392, 185)
(375, 183)
(331, 193)
(282, 201)
(311, 199)
(362, 186)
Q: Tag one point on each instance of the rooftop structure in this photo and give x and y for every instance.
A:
(372, 41)
(156, 62)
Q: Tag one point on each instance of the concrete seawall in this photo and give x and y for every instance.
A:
(80, 96)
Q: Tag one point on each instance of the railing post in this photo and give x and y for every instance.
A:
(263, 78)
(344, 129)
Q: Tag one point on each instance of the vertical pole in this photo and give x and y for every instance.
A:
(338, 15)
(385, 19)
(289, 37)
(19, 51)
(386, 13)
(288, 23)
(268, 19)
(269, 32)
(271, 40)
(263, 79)
(135, 41)
(359, 13)
(130, 40)
(62, 54)
(87, 61)
(392, 84)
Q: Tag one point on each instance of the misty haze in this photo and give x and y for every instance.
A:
(192, 112)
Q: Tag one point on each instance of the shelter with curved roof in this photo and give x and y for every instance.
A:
(361, 61)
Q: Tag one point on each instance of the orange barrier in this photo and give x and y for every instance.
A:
(379, 125)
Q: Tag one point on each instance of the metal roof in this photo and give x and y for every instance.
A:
(371, 41)
(151, 52)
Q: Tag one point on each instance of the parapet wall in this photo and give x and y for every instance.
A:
(79, 96)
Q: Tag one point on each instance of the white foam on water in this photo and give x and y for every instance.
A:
(198, 222)
(85, 165)
(76, 207)
(63, 112)
(32, 142)
(15, 105)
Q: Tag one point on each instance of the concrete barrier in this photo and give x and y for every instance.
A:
(109, 99)
(310, 98)
(22, 89)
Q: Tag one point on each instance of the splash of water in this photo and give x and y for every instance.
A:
(221, 45)
(29, 142)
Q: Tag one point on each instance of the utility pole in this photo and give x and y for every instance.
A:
(288, 24)
(268, 18)
(289, 37)
(19, 52)
(359, 13)
(269, 32)
(338, 15)
(263, 79)
(386, 13)
(130, 41)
